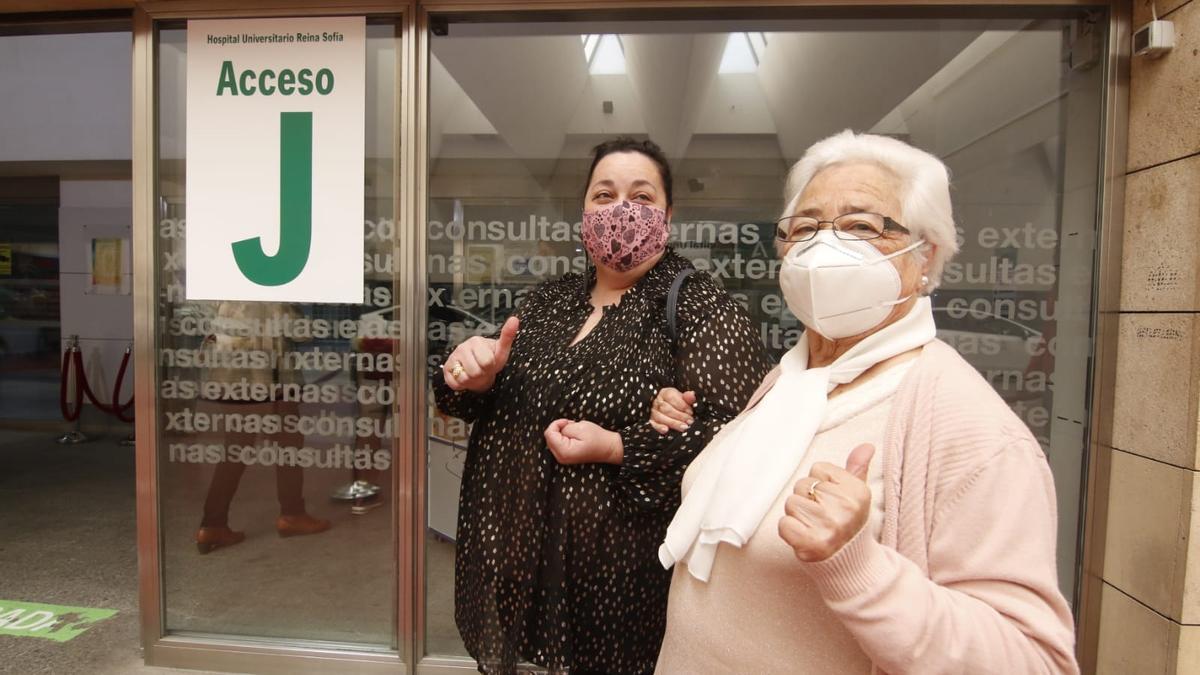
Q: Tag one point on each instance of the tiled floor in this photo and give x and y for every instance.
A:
(67, 537)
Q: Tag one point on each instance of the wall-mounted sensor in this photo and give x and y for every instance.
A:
(1154, 39)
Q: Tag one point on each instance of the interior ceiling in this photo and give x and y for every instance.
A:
(819, 83)
(525, 88)
(671, 75)
(535, 91)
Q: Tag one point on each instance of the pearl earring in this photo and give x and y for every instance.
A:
(924, 281)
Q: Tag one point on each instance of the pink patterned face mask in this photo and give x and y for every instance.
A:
(624, 235)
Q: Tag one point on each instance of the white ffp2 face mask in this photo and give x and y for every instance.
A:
(840, 288)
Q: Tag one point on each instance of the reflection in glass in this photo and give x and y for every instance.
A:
(255, 432)
(269, 412)
(515, 109)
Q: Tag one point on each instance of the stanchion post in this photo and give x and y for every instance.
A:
(75, 436)
(118, 410)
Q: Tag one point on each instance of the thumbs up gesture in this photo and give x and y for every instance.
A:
(474, 364)
(828, 507)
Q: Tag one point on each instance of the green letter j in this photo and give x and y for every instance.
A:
(295, 209)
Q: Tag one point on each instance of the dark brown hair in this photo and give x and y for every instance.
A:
(627, 144)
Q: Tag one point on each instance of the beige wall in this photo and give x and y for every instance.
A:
(1150, 609)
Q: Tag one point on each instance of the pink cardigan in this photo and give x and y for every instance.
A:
(964, 579)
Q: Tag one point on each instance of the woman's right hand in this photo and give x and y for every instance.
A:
(474, 364)
(672, 409)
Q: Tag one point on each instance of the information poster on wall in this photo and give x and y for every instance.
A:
(108, 266)
(275, 145)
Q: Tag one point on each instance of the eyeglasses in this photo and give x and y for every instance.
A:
(847, 227)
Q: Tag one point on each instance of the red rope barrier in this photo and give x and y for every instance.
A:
(73, 357)
(119, 410)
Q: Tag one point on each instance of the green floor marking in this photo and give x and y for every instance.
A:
(52, 622)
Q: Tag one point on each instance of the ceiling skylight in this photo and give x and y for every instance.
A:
(604, 53)
(743, 52)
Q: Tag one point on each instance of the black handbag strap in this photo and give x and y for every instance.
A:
(673, 302)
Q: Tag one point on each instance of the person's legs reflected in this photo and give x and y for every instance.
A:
(289, 486)
(293, 519)
(214, 532)
(214, 529)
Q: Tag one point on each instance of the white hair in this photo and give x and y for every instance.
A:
(925, 187)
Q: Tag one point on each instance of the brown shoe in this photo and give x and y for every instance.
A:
(209, 539)
(295, 526)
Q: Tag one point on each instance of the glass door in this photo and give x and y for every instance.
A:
(276, 448)
(303, 490)
(1011, 104)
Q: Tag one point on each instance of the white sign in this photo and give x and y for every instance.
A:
(276, 117)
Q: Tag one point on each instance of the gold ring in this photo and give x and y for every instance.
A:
(812, 491)
(457, 370)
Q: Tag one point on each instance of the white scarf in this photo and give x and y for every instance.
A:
(742, 476)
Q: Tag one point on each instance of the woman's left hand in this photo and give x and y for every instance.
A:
(672, 409)
(583, 443)
(828, 507)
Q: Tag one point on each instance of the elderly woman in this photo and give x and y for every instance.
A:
(877, 507)
(567, 492)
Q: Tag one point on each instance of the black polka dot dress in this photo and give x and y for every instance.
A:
(558, 565)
